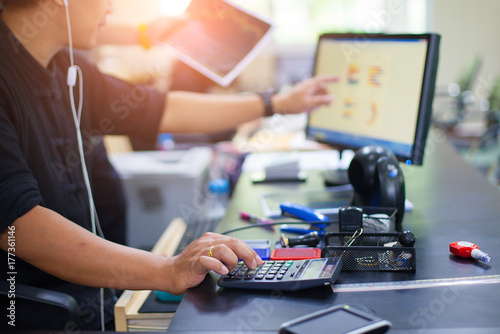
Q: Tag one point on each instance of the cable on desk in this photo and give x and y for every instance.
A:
(276, 223)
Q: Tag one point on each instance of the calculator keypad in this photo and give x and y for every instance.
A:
(291, 275)
(269, 270)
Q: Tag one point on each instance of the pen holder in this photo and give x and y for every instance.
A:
(371, 219)
(368, 253)
(379, 219)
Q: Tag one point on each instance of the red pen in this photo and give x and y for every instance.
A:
(257, 220)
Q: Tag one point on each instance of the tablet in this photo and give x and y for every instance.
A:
(219, 38)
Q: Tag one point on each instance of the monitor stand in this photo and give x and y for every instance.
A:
(339, 176)
(335, 177)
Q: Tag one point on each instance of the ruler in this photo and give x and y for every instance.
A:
(416, 284)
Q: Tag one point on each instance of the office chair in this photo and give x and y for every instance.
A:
(447, 117)
(493, 113)
(484, 149)
(493, 174)
(38, 309)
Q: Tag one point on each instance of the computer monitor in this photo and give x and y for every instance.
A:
(384, 96)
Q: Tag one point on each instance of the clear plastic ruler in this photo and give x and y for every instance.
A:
(416, 284)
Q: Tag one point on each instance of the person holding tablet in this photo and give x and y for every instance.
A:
(46, 215)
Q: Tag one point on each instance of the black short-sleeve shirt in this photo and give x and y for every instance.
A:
(39, 156)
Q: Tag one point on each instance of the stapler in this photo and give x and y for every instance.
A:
(306, 214)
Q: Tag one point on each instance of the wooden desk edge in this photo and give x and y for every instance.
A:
(130, 302)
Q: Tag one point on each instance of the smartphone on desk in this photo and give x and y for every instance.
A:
(284, 275)
(336, 320)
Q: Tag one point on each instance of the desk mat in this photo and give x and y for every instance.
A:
(153, 305)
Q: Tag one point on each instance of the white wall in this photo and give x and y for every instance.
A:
(467, 28)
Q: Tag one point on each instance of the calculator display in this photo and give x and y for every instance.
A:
(313, 270)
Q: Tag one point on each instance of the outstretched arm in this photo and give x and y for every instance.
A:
(187, 112)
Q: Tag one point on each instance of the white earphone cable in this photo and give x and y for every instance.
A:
(75, 72)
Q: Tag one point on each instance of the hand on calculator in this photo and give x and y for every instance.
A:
(210, 252)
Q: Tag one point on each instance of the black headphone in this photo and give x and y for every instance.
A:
(378, 180)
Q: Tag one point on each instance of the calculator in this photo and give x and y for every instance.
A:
(284, 275)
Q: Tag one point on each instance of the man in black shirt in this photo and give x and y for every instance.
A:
(43, 195)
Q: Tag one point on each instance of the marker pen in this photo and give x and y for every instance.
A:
(257, 220)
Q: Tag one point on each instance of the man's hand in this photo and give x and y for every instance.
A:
(305, 96)
(191, 266)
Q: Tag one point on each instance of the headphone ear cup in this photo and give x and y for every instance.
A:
(363, 167)
(377, 180)
(358, 176)
(392, 190)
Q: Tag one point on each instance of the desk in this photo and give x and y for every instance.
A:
(128, 305)
(452, 202)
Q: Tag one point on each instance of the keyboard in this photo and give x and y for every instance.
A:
(194, 230)
(306, 160)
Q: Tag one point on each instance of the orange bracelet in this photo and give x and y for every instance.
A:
(144, 40)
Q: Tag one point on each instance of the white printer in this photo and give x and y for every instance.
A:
(160, 186)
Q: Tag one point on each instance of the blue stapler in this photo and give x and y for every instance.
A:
(306, 214)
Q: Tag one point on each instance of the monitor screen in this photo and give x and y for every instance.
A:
(384, 95)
